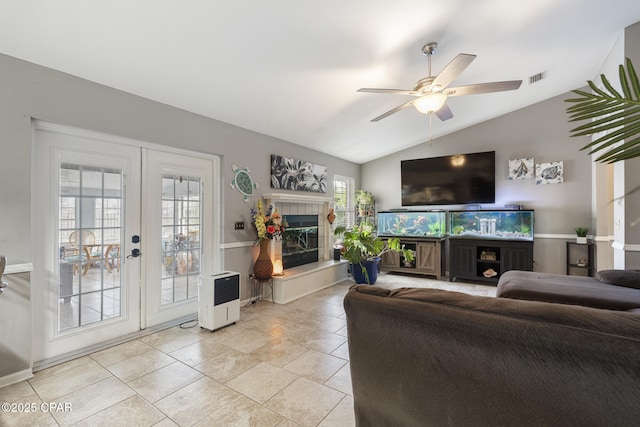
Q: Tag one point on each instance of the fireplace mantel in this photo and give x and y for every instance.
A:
(305, 279)
(297, 198)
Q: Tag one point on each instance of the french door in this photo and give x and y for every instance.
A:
(122, 233)
(178, 233)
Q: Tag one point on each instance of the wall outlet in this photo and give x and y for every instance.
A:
(238, 225)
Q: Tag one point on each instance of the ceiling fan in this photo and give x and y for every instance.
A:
(431, 92)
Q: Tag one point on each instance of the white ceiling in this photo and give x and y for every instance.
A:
(291, 68)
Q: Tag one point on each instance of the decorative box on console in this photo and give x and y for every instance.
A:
(411, 224)
(488, 255)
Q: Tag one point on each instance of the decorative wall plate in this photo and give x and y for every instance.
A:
(243, 182)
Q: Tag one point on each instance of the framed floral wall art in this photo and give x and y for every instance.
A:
(299, 175)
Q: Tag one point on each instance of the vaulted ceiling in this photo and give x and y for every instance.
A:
(290, 68)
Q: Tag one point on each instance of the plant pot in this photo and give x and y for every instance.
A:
(368, 274)
(581, 240)
(263, 267)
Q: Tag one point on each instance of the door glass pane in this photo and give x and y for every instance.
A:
(89, 236)
(180, 238)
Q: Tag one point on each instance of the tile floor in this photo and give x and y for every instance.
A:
(280, 365)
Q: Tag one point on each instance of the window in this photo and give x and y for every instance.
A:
(343, 200)
(181, 236)
(68, 217)
(107, 217)
(89, 236)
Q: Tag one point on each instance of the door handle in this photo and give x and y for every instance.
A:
(134, 253)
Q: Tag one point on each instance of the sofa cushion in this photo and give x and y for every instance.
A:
(626, 278)
(561, 289)
(615, 322)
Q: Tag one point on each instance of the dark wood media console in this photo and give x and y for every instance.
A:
(471, 258)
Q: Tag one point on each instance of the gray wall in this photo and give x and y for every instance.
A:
(540, 131)
(631, 175)
(604, 174)
(30, 91)
(617, 204)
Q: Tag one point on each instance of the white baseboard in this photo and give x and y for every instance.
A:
(16, 377)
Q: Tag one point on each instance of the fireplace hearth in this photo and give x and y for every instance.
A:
(299, 240)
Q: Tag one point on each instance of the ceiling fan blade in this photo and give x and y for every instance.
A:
(392, 111)
(391, 91)
(444, 113)
(453, 70)
(483, 88)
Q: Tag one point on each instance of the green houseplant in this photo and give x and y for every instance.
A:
(363, 249)
(581, 232)
(364, 202)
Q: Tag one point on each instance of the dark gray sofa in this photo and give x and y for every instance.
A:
(427, 357)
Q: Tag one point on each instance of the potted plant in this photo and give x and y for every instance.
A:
(364, 202)
(581, 232)
(363, 249)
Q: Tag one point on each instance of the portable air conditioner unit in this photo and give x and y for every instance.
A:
(219, 300)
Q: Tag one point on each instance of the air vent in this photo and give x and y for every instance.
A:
(537, 77)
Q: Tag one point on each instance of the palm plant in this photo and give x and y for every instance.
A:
(616, 115)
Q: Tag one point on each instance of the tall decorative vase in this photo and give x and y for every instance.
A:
(263, 267)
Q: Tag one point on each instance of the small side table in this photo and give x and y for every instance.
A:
(586, 249)
(256, 290)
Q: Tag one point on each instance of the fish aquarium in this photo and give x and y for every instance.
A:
(412, 223)
(498, 224)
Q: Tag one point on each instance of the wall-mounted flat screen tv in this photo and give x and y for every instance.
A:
(449, 180)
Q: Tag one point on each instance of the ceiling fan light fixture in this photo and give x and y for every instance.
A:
(431, 92)
(430, 103)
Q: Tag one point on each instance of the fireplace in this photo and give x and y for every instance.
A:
(299, 240)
